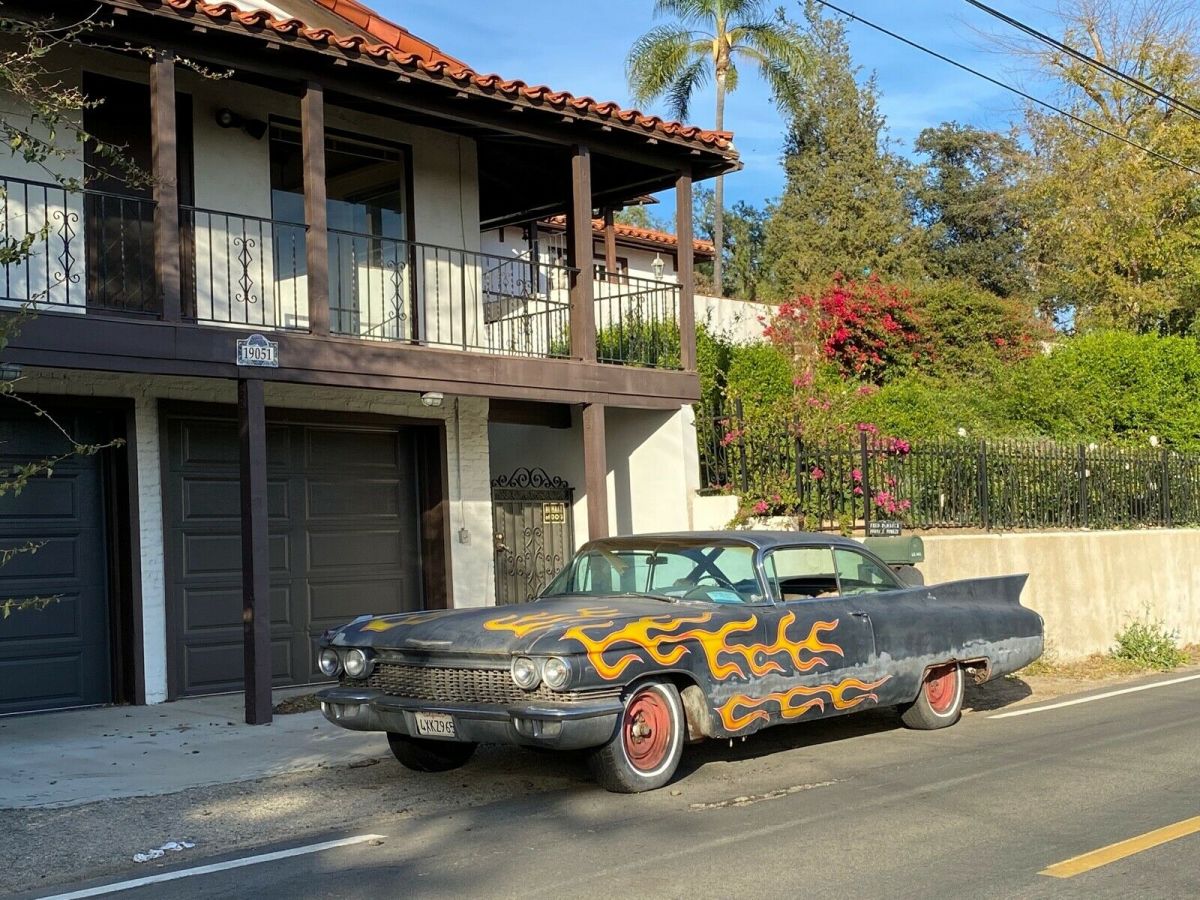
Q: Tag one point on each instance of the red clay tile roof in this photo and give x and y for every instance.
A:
(645, 235)
(388, 32)
(408, 52)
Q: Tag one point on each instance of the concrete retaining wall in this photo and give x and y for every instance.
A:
(1086, 585)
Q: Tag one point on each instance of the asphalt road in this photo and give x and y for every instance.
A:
(855, 807)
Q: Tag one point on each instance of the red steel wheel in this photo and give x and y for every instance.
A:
(939, 702)
(646, 731)
(646, 743)
(942, 689)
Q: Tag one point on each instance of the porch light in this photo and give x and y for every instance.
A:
(658, 265)
(432, 398)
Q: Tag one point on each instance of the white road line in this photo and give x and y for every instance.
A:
(213, 867)
(1104, 696)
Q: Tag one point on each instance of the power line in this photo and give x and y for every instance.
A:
(1084, 58)
(1009, 87)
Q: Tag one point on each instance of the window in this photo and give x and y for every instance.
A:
(800, 573)
(861, 575)
(367, 204)
(706, 572)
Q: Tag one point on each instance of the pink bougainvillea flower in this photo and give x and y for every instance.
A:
(761, 507)
(817, 473)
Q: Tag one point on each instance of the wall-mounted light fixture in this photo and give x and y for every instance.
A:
(432, 398)
(658, 265)
(227, 118)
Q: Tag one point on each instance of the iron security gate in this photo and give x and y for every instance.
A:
(531, 514)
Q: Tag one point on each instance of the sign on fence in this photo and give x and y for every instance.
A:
(883, 529)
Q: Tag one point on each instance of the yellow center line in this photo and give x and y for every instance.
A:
(1077, 865)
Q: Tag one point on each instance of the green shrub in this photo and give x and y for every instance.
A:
(1147, 643)
(759, 375)
(1110, 386)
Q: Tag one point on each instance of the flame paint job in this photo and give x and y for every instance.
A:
(540, 621)
(665, 640)
(789, 708)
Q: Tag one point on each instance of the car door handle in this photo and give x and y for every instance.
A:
(859, 614)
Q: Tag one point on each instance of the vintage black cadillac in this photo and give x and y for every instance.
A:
(643, 643)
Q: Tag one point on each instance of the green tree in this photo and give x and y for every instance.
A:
(967, 199)
(844, 207)
(744, 235)
(1115, 231)
(709, 39)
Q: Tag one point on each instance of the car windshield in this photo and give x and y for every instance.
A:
(711, 571)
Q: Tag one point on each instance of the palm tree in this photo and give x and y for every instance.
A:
(710, 38)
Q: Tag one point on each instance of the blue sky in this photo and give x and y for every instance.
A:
(530, 41)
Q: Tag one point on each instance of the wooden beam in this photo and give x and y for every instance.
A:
(164, 149)
(595, 468)
(610, 244)
(256, 561)
(685, 271)
(579, 255)
(312, 139)
(150, 347)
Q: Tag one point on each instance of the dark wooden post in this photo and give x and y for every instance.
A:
(610, 245)
(256, 583)
(312, 139)
(164, 149)
(595, 467)
(684, 271)
(579, 256)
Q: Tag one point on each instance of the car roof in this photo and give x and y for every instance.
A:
(761, 540)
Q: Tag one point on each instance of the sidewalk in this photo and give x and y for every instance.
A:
(81, 756)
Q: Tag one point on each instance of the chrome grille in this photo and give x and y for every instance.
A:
(440, 684)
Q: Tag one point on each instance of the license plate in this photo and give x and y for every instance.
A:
(435, 725)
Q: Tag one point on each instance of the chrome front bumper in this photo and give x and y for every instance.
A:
(571, 726)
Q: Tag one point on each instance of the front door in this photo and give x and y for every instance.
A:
(531, 514)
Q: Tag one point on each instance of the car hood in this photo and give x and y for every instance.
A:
(540, 627)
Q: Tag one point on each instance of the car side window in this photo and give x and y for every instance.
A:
(800, 573)
(859, 574)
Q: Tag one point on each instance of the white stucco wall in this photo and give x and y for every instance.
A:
(652, 466)
(467, 464)
(739, 321)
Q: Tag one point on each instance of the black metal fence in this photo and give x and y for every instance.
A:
(1000, 485)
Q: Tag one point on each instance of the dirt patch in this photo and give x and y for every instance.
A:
(301, 703)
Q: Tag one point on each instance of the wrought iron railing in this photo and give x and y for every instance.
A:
(392, 290)
(73, 250)
(243, 270)
(999, 485)
(637, 322)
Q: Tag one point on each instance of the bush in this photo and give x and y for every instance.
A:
(970, 329)
(1147, 643)
(759, 375)
(1110, 386)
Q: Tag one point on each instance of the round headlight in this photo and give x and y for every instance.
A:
(328, 662)
(355, 663)
(525, 673)
(556, 673)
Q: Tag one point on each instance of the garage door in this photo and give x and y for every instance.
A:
(60, 655)
(344, 540)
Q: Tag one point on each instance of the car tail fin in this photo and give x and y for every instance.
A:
(1002, 588)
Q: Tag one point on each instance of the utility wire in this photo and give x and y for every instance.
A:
(1009, 87)
(1084, 58)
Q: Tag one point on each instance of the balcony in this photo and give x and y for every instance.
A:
(92, 253)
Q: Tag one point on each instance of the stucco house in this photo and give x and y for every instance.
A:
(335, 397)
